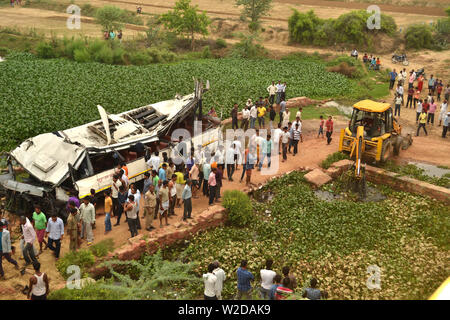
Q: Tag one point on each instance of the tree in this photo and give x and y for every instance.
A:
(185, 19)
(253, 10)
(110, 18)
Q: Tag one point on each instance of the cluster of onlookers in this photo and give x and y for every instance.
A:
(111, 35)
(425, 107)
(273, 286)
(17, 2)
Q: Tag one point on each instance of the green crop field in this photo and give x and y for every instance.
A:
(40, 96)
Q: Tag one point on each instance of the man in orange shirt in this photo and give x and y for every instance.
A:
(329, 125)
(108, 211)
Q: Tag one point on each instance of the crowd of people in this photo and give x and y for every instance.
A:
(426, 107)
(111, 35)
(273, 285)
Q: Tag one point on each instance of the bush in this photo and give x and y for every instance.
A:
(102, 248)
(155, 55)
(419, 36)
(71, 45)
(81, 55)
(349, 28)
(90, 291)
(345, 69)
(332, 158)
(104, 55)
(118, 56)
(140, 58)
(3, 51)
(45, 50)
(81, 258)
(247, 48)
(206, 53)
(221, 43)
(239, 206)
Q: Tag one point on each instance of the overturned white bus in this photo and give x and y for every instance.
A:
(84, 157)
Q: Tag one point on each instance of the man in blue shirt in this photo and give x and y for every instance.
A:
(244, 277)
(273, 289)
(393, 76)
(162, 172)
(206, 168)
(55, 233)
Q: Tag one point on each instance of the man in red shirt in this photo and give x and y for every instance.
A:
(329, 125)
(425, 106)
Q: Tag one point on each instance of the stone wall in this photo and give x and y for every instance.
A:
(391, 179)
(212, 217)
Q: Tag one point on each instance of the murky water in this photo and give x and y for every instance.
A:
(326, 195)
(431, 170)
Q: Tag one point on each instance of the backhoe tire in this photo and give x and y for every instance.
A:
(397, 145)
(386, 151)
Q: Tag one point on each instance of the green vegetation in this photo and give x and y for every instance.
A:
(332, 158)
(418, 36)
(81, 258)
(349, 28)
(253, 11)
(31, 103)
(184, 19)
(239, 206)
(336, 242)
(415, 172)
(152, 278)
(102, 248)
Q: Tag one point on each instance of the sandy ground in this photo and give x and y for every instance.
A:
(49, 21)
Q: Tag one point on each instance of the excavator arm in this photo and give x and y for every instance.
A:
(358, 147)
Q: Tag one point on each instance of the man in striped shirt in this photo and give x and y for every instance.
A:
(296, 138)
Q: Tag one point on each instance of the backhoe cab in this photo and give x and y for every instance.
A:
(373, 131)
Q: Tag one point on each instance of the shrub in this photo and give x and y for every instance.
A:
(81, 258)
(104, 55)
(118, 56)
(71, 45)
(221, 43)
(140, 58)
(239, 206)
(102, 248)
(206, 53)
(81, 55)
(45, 50)
(419, 36)
(247, 48)
(345, 69)
(3, 51)
(155, 55)
(332, 158)
(90, 291)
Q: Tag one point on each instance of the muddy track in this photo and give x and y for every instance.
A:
(431, 11)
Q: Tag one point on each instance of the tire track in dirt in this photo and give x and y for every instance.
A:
(430, 11)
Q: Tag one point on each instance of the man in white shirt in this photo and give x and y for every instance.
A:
(154, 161)
(267, 276)
(230, 162)
(210, 280)
(221, 276)
(115, 194)
(283, 91)
(299, 122)
(245, 118)
(198, 155)
(272, 90)
(253, 115)
(279, 91)
(284, 142)
(400, 91)
(237, 152)
(220, 155)
(87, 212)
(277, 138)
